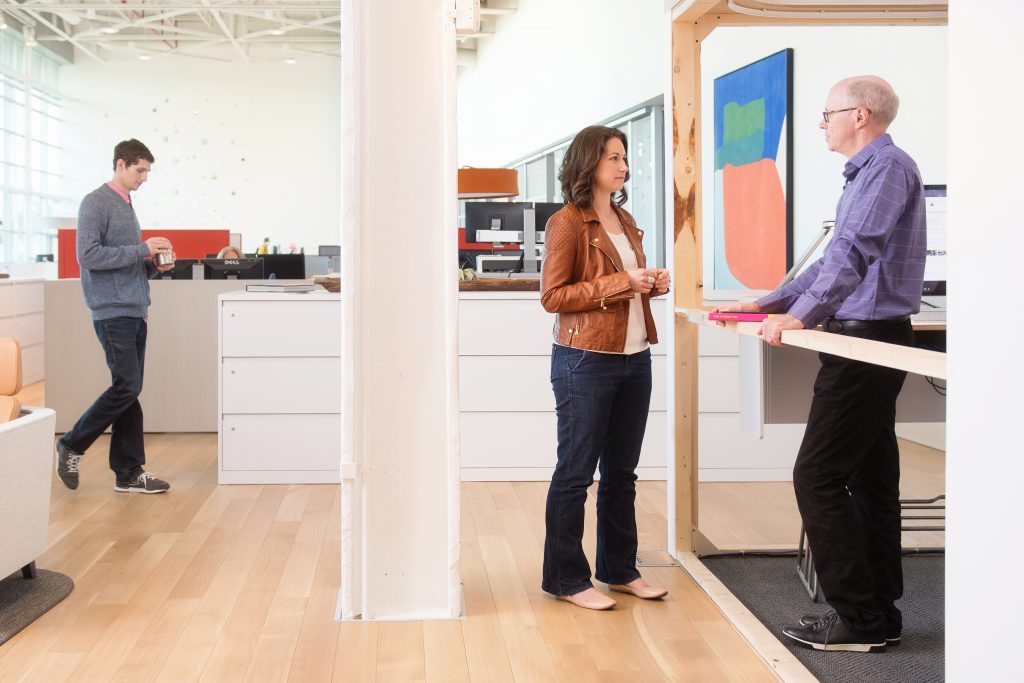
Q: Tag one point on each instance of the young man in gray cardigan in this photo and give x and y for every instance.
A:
(116, 266)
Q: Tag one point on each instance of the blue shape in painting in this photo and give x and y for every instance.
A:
(765, 80)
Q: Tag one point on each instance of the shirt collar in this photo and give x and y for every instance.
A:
(862, 157)
(120, 193)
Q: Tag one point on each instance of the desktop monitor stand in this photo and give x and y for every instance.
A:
(531, 264)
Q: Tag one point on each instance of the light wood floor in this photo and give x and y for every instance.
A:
(239, 583)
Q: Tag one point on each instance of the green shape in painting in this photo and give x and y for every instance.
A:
(742, 134)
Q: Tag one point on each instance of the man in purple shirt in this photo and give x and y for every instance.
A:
(866, 284)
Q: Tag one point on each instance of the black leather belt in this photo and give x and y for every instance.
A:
(840, 326)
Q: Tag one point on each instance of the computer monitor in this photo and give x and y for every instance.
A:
(935, 261)
(329, 250)
(482, 217)
(182, 270)
(544, 212)
(317, 265)
(233, 269)
(284, 266)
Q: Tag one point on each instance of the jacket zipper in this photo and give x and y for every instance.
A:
(617, 270)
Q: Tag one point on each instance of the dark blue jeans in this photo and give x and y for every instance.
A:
(124, 343)
(602, 402)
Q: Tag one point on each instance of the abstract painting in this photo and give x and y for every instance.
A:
(753, 174)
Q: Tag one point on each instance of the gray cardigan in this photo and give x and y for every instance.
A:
(115, 274)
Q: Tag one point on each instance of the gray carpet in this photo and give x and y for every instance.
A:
(770, 588)
(22, 601)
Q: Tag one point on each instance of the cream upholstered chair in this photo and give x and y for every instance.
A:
(26, 463)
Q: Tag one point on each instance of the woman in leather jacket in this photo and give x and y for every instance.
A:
(596, 280)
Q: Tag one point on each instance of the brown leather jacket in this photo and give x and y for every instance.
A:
(585, 284)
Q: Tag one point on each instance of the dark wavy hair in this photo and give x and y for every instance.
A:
(131, 151)
(581, 159)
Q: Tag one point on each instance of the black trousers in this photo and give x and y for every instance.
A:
(847, 482)
(124, 344)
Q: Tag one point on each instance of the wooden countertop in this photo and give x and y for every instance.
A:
(504, 284)
(918, 361)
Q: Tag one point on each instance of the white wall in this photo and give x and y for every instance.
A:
(912, 59)
(253, 148)
(984, 466)
(554, 67)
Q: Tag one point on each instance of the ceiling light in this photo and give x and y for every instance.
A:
(277, 31)
(144, 58)
(3, 23)
(291, 60)
(111, 30)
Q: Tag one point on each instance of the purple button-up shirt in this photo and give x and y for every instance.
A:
(874, 265)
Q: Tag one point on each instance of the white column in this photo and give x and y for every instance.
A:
(400, 470)
(984, 463)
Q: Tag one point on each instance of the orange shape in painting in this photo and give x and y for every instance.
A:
(755, 223)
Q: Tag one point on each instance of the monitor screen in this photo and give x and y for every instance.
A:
(545, 210)
(329, 250)
(284, 266)
(482, 216)
(935, 261)
(233, 269)
(182, 270)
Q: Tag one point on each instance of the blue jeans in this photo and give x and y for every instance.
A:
(602, 402)
(124, 344)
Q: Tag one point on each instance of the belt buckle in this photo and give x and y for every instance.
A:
(833, 325)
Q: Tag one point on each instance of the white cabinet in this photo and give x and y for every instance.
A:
(280, 388)
(507, 409)
(21, 317)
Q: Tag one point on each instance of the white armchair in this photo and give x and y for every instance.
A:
(26, 463)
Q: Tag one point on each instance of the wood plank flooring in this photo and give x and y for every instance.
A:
(239, 583)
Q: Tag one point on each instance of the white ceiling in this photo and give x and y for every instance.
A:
(226, 30)
(231, 30)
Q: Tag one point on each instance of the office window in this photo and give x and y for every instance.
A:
(538, 175)
(31, 188)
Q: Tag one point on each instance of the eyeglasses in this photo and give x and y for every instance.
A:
(827, 113)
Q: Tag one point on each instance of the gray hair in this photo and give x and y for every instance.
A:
(876, 96)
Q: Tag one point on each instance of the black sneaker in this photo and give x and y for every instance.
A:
(831, 635)
(67, 465)
(144, 483)
(892, 634)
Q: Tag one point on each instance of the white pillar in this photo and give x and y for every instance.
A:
(400, 469)
(984, 463)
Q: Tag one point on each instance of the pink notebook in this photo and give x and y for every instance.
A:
(725, 316)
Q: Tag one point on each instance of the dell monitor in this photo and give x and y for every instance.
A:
(544, 212)
(233, 269)
(181, 269)
(488, 217)
(284, 266)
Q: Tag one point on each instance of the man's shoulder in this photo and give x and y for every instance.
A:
(99, 196)
(895, 157)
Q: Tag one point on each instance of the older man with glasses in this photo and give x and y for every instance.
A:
(867, 284)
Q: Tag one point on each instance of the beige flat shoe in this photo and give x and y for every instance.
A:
(589, 599)
(644, 592)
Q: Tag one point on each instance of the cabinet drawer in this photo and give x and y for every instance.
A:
(33, 363)
(281, 385)
(28, 298)
(7, 328)
(530, 440)
(6, 299)
(504, 327)
(28, 329)
(281, 328)
(511, 383)
(281, 442)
